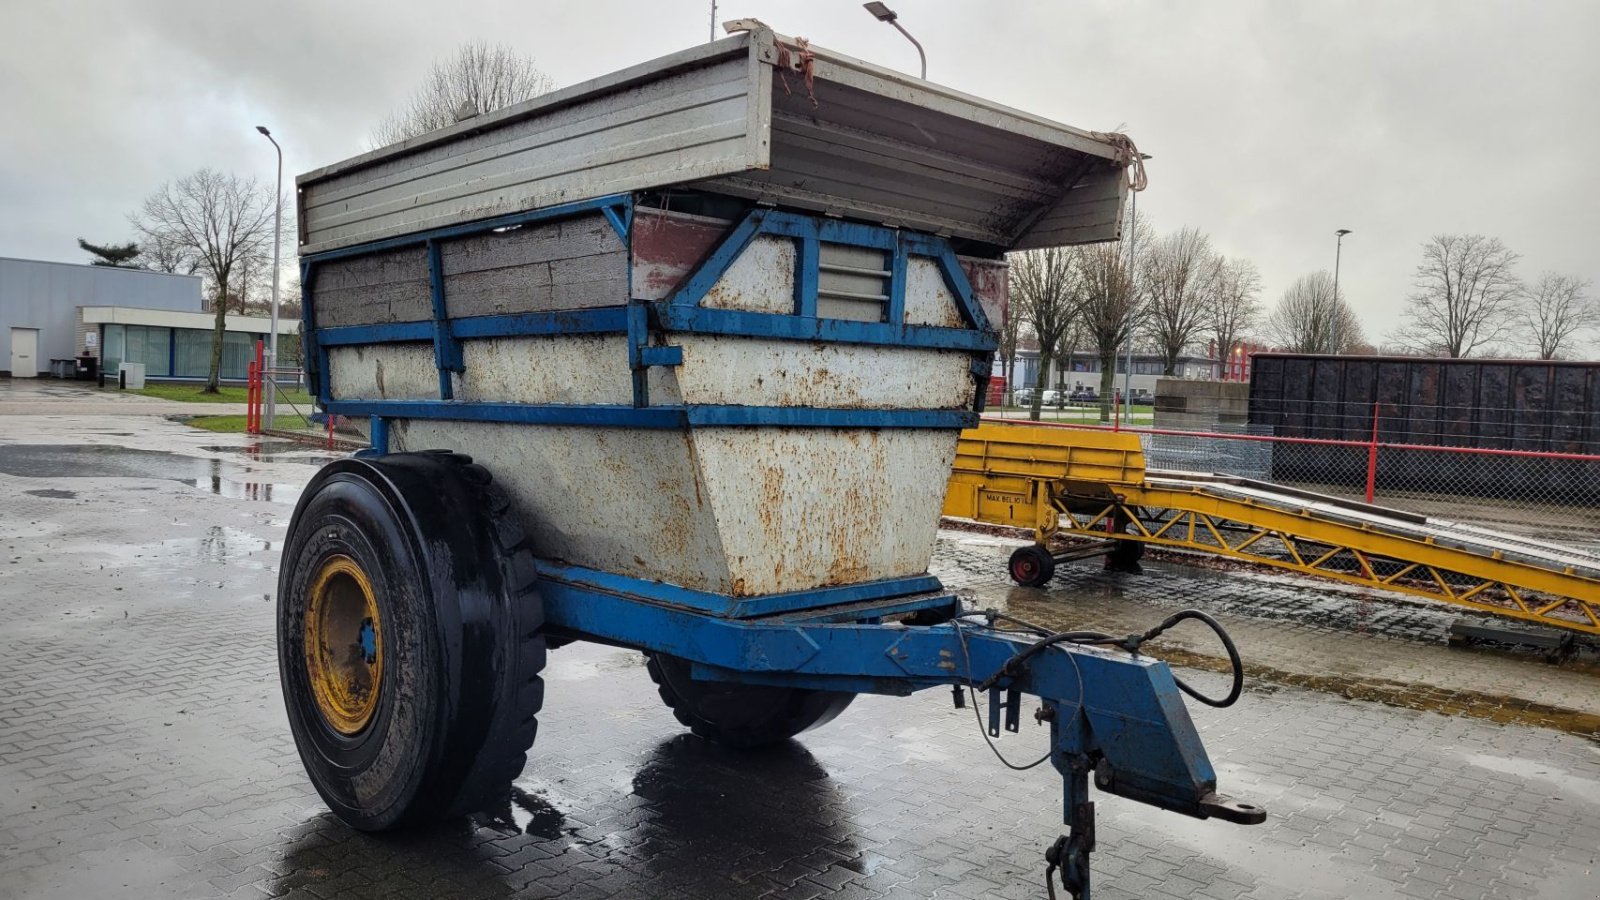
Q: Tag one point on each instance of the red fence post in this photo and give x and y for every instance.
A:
(1116, 412)
(250, 400)
(1372, 456)
(253, 393)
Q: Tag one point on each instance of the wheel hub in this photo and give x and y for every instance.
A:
(343, 645)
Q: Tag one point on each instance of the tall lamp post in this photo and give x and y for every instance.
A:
(1338, 250)
(1133, 247)
(884, 14)
(277, 234)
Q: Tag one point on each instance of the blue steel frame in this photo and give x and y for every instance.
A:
(1120, 717)
(683, 312)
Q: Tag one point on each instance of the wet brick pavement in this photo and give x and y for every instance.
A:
(144, 750)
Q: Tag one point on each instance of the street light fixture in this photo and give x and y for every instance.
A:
(884, 14)
(1338, 250)
(277, 234)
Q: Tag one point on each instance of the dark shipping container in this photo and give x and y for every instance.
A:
(1491, 404)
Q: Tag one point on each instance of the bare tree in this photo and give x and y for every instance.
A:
(1466, 294)
(221, 221)
(1177, 276)
(1309, 318)
(1557, 312)
(1233, 307)
(1044, 285)
(160, 254)
(1010, 334)
(1107, 310)
(478, 78)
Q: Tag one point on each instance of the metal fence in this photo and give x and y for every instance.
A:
(1520, 479)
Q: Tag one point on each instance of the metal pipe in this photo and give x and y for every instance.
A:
(272, 336)
(1333, 326)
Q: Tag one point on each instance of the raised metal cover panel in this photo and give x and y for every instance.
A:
(757, 115)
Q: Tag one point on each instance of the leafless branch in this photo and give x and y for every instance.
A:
(1466, 294)
(1557, 312)
(1309, 318)
(478, 78)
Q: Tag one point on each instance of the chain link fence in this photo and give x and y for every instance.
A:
(1535, 476)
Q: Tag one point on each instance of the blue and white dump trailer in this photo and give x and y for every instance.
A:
(676, 359)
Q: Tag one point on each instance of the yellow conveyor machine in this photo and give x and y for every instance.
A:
(1089, 483)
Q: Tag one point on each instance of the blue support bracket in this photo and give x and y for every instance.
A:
(446, 349)
(620, 215)
(898, 263)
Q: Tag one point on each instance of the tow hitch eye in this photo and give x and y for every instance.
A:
(1219, 806)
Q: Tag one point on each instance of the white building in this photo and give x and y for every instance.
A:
(52, 315)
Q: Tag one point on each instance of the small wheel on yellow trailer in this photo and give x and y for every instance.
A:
(409, 641)
(1032, 566)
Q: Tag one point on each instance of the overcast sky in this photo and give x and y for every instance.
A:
(1271, 123)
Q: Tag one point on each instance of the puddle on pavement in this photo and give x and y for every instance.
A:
(521, 812)
(52, 494)
(106, 461)
(279, 451)
(219, 545)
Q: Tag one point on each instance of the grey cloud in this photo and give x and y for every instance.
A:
(1272, 123)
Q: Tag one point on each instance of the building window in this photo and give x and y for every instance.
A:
(138, 344)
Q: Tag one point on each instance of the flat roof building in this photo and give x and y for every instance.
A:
(54, 314)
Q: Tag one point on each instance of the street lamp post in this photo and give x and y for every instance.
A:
(1338, 250)
(277, 234)
(884, 14)
(1133, 247)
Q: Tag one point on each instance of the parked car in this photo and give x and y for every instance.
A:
(1084, 395)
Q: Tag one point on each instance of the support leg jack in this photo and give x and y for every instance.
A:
(1068, 857)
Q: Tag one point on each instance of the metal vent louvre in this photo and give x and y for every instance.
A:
(852, 283)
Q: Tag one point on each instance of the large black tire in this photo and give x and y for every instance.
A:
(1032, 566)
(743, 716)
(453, 658)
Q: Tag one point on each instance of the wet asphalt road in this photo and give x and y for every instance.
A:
(144, 751)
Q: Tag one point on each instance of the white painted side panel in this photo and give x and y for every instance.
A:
(383, 372)
(748, 372)
(806, 508)
(760, 280)
(928, 299)
(576, 369)
(621, 500)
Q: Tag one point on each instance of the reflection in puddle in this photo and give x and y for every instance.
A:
(523, 813)
(217, 476)
(220, 544)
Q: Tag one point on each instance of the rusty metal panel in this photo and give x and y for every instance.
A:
(621, 500)
(928, 300)
(746, 372)
(805, 508)
(562, 369)
(988, 278)
(760, 280)
(666, 248)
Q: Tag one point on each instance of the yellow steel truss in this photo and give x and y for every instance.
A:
(1093, 484)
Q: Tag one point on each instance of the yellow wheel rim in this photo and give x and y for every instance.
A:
(344, 645)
